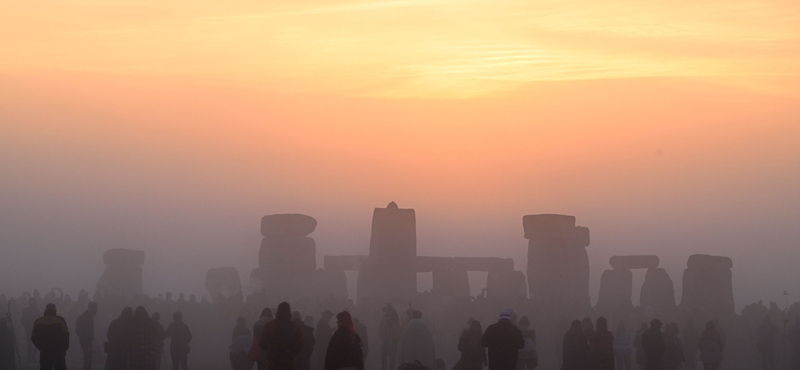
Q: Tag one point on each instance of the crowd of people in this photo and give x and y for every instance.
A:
(71, 332)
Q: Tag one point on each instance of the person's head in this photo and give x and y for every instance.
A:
(156, 317)
(504, 315)
(297, 317)
(50, 309)
(177, 316)
(344, 320)
(417, 314)
(266, 312)
(92, 308)
(240, 321)
(284, 312)
(524, 321)
(140, 314)
(602, 324)
(655, 324)
(576, 327)
(711, 326)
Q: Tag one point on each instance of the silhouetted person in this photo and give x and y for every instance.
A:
(29, 315)
(389, 334)
(118, 345)
(575, 348)
(637, 345)
(345, 348)
(304, 358)
(323, 334)
(84, 329)
(417, 343)
(7, 346)
(179, 345)
(143, 341)
(528, 355)
(473, 354)
(361, 329)
(673, 348)
(653, 346)
(282, 340)
(691, 343)
(161, 334)
(240, 329)
(622, 348)
(711, 346)
(601, 355)
(766, 344)
(258, 327)
(793, 337)
(51, 338)
(504, 340)
(240, 346)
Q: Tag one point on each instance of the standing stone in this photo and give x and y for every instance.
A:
(708, 285)
(558, 263)
(123, 273)
(223, 281)
(616, 289)
(287, 259)
(657, 290)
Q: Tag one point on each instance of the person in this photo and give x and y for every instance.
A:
(691, 340)
(417, 343)
(528, 356)
(653, 346)
(601, 355)
(118, 345)
(389, 334)
(361, 329)
(575, 348)
(84, 329)
(637, 344)
(673, 348)
(766, 344)
(240, 329)
(504, 340)
(622, 348)
(345, 348)
(179, 345)
(793, 337)
(473, 355)
(711, 347)
(323, 334)
(258, 327)
(282, 339)
(51, 337)
(160, 335)
(7, 346)
(29, 315)
(304, 358)
(238, 351)
(588, 329)
(143, 341)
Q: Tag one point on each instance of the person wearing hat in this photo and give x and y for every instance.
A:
(504, 340)
(654, 346)
(51, 337)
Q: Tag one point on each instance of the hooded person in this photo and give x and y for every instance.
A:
(282, 340)
(51, 337)
(322, 335)
(304, 358)
(601, 356)
(504, 340)
(711, 347)
(143, 341)
(417, 343)
(622, 348)
(345, 348)
(7, 346)
(84, 329)
(575, 348)
(653, 346)
(118, 346)
(389, 334)
(258, 327)
(473, 355)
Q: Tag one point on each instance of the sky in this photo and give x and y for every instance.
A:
(666, 127)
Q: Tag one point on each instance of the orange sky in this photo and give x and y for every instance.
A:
(666, 127)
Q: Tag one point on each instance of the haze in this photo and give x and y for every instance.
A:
(667, 128)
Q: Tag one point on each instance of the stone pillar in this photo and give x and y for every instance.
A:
(558, 263)
(390, 272)
(657, 290)
(123, 273)
(287, 259)
(616, 289)
(223, 281)
(708, 285)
